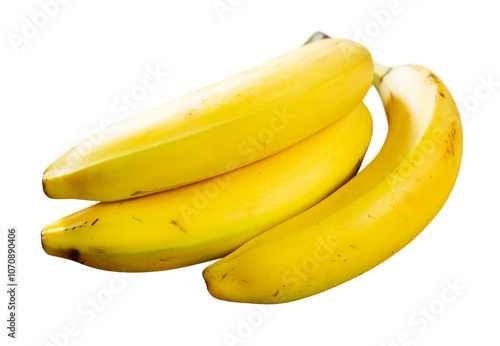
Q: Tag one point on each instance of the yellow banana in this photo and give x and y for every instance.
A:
(371, 217)
(211, 218)
(218, 128)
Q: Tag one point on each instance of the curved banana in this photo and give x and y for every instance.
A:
(218, 128)
(371, 217)
(211, 218)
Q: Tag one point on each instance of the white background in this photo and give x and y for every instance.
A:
(64, 79)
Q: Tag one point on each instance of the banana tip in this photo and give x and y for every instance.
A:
(72, 254)
(212, 288)
(42, 241)
(44, 186)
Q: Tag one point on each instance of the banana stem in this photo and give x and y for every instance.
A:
(318, 35)
(379, 72)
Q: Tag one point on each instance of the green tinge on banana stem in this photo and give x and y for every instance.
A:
(317, 36)
(379, 71)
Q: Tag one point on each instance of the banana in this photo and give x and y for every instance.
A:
(211, 218)
(221, 127)
(371, 217)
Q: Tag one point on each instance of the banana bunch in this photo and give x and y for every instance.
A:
(260, 171)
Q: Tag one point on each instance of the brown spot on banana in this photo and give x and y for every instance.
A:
(175, 224)
(73, 254)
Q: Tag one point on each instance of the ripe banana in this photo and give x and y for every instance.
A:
(371, 217)
(211, 218)
(211, 131)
